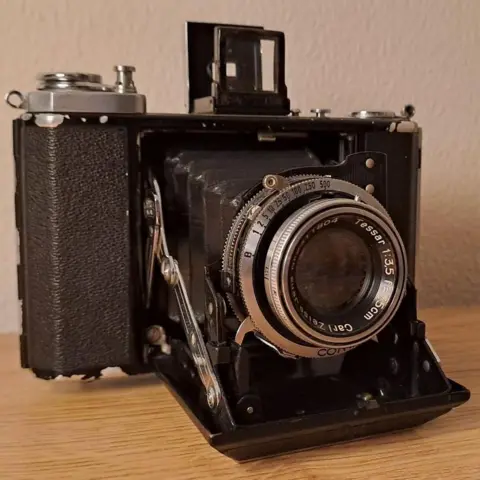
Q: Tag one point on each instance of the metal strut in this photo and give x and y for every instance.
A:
(157, 248)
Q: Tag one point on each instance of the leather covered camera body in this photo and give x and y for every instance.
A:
(261, 262)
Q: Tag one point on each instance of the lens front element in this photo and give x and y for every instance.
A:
(333, 267)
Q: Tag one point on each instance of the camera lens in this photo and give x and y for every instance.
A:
(319, 265)
(333, 270)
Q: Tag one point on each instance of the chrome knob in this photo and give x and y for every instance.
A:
(320, 112)
(69, 81)
(124, 82)
(373, 114)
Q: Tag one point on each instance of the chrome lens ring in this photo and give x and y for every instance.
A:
(380, 304)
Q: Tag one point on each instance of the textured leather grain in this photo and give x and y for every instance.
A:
(73, 204)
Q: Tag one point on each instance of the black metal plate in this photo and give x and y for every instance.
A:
(299, 433)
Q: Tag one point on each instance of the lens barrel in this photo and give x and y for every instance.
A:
(316, 264)
(377, 294)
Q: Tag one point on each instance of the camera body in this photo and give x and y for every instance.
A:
(174, 244)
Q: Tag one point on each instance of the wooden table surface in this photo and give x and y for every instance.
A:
(132, 428)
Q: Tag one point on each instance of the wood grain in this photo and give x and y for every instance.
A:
(122, 428)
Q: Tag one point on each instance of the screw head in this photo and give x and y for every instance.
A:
(250, 410)
(154, 334)
(370, 163)
(426, 366)
(370, 188)
(394, 367)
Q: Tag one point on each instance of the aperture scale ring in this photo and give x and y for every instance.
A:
(231, 248)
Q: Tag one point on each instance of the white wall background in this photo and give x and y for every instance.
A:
(341, 54)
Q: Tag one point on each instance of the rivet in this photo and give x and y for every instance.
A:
(154, 334)
(426, 365)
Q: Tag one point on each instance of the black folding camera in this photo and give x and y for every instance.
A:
(261, 262)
